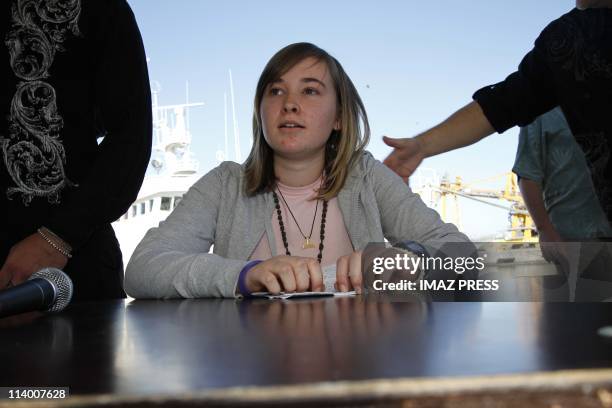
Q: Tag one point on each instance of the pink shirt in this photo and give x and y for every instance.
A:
(336, 242)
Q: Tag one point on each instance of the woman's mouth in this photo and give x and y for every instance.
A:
(291, 125)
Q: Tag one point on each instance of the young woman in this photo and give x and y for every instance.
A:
(308, 195)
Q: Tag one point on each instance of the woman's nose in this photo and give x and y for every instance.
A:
(291, 106)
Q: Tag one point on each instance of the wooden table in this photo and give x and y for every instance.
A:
(328, 351)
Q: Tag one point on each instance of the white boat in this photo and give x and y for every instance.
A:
(172, 171)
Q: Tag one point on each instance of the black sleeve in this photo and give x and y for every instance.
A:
(524, 94)
(123, 107)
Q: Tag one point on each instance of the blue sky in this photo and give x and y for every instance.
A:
(414, 63)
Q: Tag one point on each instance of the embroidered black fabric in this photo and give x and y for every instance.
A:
(72, 72)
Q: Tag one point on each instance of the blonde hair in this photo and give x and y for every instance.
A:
(343, 148)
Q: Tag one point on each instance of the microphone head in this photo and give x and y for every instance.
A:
(62, 284)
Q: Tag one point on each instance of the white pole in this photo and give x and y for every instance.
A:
(236, 134)
(226, 151)
(187, 103)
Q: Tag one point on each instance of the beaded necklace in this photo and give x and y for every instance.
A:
(307, 240)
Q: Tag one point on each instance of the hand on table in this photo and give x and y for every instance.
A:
(406, 157)
(28, 256)
(285, 274)
(295, 274)
(348, 273)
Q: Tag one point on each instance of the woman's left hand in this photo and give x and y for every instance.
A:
(348, 273)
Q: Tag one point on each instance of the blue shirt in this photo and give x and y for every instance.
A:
(549, 155)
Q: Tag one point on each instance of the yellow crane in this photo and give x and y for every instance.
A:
(521, 227)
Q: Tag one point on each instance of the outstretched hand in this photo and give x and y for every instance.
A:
(406, 157)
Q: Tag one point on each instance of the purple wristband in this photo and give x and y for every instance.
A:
(242, 278)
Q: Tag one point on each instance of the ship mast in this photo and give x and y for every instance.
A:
(171, 136)
(235, 122)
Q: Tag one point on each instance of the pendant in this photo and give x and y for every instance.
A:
(308, 244)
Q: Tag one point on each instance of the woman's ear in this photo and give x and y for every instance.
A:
(337, 126)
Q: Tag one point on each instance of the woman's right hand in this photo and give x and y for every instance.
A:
(285, 274)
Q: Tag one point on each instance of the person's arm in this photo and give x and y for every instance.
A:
(532, 195)
(172, 260)
(548, 234)
(518, 100)
(466, 126)
(530, 168)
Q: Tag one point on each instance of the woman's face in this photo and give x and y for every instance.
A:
(299, 111)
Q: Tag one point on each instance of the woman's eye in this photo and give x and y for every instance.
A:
(276, 91)
(311, 91)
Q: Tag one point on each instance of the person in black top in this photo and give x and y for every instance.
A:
(570, 66)
(75, 138)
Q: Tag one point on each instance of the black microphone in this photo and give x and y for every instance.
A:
(48, 289)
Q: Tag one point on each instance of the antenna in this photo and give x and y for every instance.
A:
(236, 134)
(187, 103)
(226, 151)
